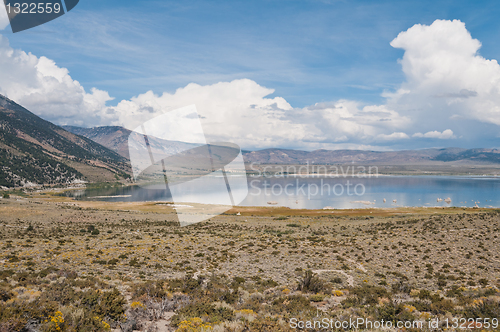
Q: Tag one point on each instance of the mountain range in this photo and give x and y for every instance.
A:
(116, 138)
(35, 151)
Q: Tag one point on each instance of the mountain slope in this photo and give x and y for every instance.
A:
(116, 138)
(406, 157)
(35, 151)
(113, 137)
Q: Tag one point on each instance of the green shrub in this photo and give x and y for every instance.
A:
(294, 306)
(370, 294)
(316, 298)
(205, 311)
(311, 283)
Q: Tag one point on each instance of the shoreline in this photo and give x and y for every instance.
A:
(269, 211)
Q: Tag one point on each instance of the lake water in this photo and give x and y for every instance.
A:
(340, 193)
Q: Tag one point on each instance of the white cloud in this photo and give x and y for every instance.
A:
(48, 90)
(238, 111)
(392, 137)
(4, 19)
(445, 76)
(447, 81)
(446, 134)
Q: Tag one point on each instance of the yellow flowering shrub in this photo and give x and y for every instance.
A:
(409, 308)
(246, 314)
(102, 323)
(425, 315)
(137, 305)
(194, 325)
(337, 293)
(56, 322)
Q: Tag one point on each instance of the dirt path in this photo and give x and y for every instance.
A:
(359, 265)
(350, 279)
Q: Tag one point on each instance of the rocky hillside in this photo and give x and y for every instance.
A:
(35, 151)
(407, 157)
(112, 137)
(116, 139)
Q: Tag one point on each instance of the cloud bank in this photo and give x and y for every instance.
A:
(4, 19)
(447, 86)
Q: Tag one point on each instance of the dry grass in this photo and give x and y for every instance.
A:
(433, 249)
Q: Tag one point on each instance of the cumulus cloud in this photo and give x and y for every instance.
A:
(239, 111)
(445, 76)
(447, 85)
(446, 134)
(48, 90)
(392, 137)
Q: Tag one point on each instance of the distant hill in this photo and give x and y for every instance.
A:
(35, 151)
(406, 157)
(116, 138)
(113, 137)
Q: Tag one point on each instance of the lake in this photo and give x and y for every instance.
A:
(335, 192)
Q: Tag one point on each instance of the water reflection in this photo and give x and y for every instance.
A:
(341, 192)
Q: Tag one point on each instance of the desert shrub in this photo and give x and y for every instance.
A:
(61, 292)
(268, 283)
(454, 292)
(442, 307)
(316, 298)
(5, 294)
(239, 280)
(104, 304)
(15, 316)
(193, 325)
(294, 306)
(483, 308)
(150, 289)
(370, 294)
(484, 282)
(15, 324)
(208, 312)
(250, 304)
(401, 287)
(4, 274)
(48, 270)
(337, 280)
(311, 283)
(111, 304)
(424, 294)
(268, 324)
(391, 312)
(421, 305)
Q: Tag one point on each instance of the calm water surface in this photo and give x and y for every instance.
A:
(342, 192)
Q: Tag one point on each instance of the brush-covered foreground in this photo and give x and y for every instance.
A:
(68, 266)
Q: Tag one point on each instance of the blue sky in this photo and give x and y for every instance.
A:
(308, 52)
